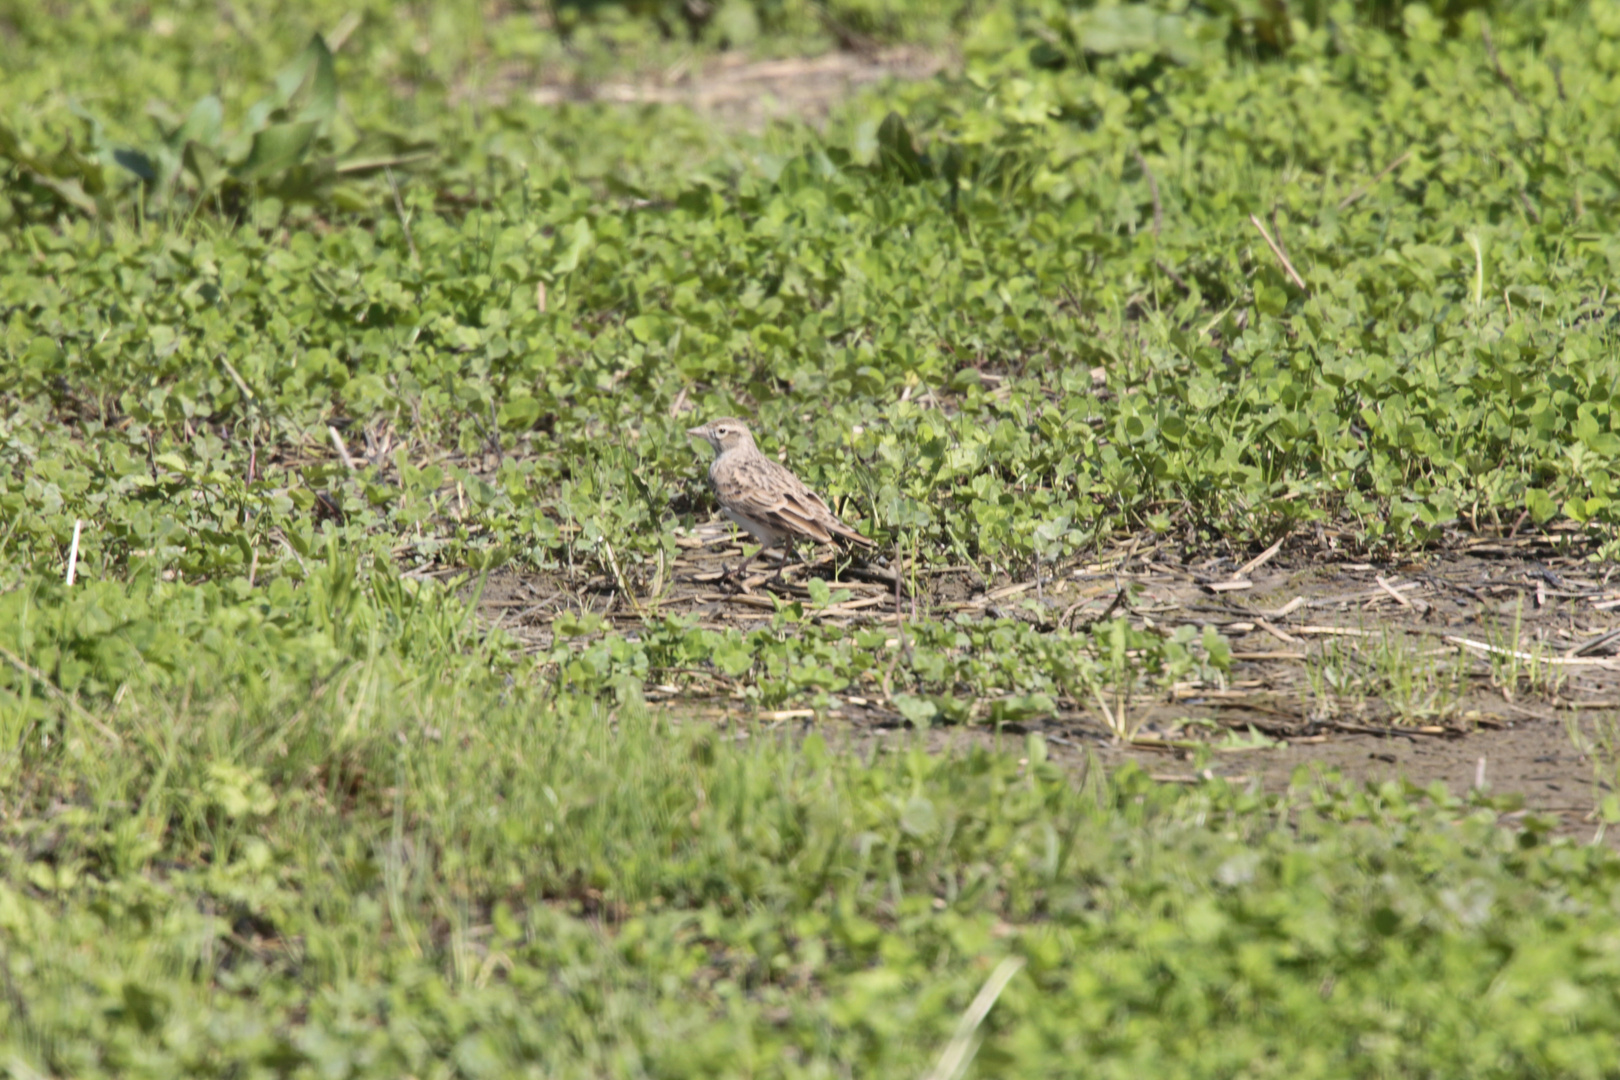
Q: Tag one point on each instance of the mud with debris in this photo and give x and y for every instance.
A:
(1488, 663)
(738, 92)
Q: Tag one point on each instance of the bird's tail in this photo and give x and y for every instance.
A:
(840, 529)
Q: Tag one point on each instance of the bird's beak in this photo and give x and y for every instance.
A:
(698, 432)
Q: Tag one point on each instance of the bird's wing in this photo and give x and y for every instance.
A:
(759, 488)
(765, 491)
(837, 526)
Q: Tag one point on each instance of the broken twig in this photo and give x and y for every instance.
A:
(1282, 256)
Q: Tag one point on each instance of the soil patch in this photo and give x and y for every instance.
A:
(1482, 662)
(747, 95)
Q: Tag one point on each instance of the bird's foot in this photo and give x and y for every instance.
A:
(739, 580)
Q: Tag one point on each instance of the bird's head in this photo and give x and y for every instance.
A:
(723, 434)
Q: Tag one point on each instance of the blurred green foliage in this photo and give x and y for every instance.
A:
(383, 871)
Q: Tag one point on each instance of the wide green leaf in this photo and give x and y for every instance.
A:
(276, 149)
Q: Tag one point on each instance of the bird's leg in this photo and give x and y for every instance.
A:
(737, 573)
(787, 555)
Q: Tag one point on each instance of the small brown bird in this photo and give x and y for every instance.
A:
(763, 497)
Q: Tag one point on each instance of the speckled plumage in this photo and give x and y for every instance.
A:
(763, 497)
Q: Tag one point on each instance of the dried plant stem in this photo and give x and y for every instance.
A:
(1517, 654)
(1170, 273)
(618, 578)
(404, 219)
(1479, 276)
(73, 553)
(1369, 185)
(236, 377)
(1259, 560)
(342, 450)
(1153, 190)
(60, 695)
(959, 1051)
(1496, 62)
(1114, 718)
(1282, 256)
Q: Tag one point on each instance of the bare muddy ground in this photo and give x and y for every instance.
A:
(1467, 665)
(740, 93)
